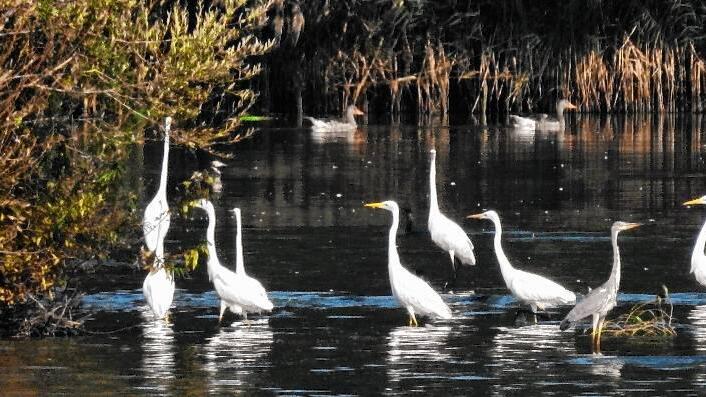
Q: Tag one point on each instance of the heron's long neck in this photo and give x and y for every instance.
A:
(239, 262)
(615, 272)
(699, 247)
(211, 242)
(393, 258)
(505, 265)
(433, 201)
(165, 166)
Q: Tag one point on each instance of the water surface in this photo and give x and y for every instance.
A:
(335, 329)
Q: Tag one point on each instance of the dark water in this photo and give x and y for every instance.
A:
(335, 329)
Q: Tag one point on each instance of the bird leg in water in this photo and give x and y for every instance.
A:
(412, 320)
(223, 310)
(452, 282)
(601, 322)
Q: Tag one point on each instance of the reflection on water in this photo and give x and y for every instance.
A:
(324, 258)
(416, 353)
(236, 354)
(157, 353)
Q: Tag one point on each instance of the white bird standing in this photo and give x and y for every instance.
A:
(348, 124)
(603, 299)
(411, 292)
(156, 219)
(158, 287)
(238, 292)
(543, 123)
(698, 258)
(445, 233)
(529, 288)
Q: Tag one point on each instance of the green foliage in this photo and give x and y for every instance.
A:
(118, 66)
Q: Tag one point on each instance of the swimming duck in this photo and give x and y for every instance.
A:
(348, 124)
(543, 123)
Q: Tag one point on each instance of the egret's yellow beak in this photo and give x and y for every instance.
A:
(374, 205)
(632, 225)
(475, 216)
(695, 201)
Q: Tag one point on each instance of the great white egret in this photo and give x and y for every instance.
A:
(529, 288)
(411, 292)
(158, 287)
(445, 233)
(238, 292)
(698, 258)
(600, 300)
(543, 123)
(156, 219)
(348, 124)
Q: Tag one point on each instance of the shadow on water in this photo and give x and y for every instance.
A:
(336, 330)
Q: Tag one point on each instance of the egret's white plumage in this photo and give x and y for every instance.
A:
(156, 219)
(603, 299)
(411, 292)
(158, 287)
(348, 124)
(238, 292)
(217, 184)
(698, 258)
(445, 233)
(529, 288)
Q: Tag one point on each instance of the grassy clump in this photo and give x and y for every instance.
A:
(651, 319)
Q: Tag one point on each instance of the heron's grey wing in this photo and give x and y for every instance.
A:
(594, 302)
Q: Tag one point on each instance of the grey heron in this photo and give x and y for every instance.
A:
(603, 299)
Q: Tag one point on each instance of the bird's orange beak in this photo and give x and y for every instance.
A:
(374, 205)
(632, 225)
(475, 216)
(695, 201)
(357, 112)
(571, 106)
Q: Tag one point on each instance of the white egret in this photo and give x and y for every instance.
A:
(603, 299)
(238, 292)
(445, 233)
(156, 219)
(698, 258)
(411, 292)
(348, 124)
(158, 287)
(543, 123)
(529, 288)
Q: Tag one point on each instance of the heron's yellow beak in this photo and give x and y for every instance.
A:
(357, 112)
(374, 205)
(571, 106)
(632, 225)
(699, 200)
(475, 216)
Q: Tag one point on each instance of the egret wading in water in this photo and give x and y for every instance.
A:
(445, 233)
(411, 292)
(238, 292)
(348, 124)
(158, 287)
(529, 288)
(603, 299)
(156, 219)
(698, 258)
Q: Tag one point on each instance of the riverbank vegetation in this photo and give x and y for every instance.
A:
(79, 83)
(487, 57)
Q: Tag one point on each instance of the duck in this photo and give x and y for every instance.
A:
(348, 124)
(543, 123)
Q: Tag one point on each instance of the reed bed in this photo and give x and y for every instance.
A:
(498, 57)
